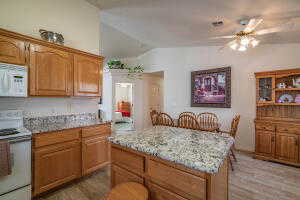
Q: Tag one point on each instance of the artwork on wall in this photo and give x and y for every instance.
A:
(211, 88)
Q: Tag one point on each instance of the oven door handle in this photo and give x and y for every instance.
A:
(12, 160)
(19, 139)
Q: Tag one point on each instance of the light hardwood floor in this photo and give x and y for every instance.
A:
(251, 180)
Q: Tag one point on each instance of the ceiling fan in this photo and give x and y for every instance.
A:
(246, 38)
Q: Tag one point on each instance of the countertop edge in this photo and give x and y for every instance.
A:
(66, 128)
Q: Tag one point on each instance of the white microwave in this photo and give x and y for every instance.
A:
(13, 80)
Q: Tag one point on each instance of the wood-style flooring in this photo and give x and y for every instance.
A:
(251, 180)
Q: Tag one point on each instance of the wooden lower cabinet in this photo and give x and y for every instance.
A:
(166, 180)
(120, 175)
(280, 145)
(159, 193)
(95, 153)
(62, 156)
(55, 165)
(287, 148)
(265, 143)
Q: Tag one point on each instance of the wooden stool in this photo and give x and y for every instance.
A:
(128, 191)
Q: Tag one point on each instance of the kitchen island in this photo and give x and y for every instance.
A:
(173, 163)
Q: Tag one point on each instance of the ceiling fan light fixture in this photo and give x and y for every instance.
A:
(242, 48)
(245, 41)
(255, 42)
(234, 46)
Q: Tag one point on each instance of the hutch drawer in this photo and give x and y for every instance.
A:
(289, 129)
(265, 127)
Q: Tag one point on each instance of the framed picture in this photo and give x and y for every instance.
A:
(211, 88)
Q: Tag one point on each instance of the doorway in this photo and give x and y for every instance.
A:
(123, 107)
(155, 95)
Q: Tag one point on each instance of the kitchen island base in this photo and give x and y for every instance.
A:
(167, 180)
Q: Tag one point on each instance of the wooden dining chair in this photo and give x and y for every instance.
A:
(188, 113)
(153, 116)
(188, 121)
(208, 121)
(234, 127)
(164, 119)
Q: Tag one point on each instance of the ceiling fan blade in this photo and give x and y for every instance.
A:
(227, 44)
(253, 23)
(222, 37)
(281, 28)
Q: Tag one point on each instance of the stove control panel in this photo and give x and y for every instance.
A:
(11, 114)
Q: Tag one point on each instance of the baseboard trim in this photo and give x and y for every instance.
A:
(246, 152)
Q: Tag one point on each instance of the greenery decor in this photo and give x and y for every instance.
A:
(133, 71)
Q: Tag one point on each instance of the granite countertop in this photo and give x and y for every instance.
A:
(199, 150)
(61, 122)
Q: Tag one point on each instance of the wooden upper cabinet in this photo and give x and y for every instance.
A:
(12, 51)
(87, 76)
(50, 71)
(287, 147)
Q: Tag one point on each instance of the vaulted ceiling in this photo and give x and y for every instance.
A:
(173, 23)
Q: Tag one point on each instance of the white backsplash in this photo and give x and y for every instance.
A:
(40, 106)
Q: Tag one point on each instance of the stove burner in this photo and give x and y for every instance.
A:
(8, 131)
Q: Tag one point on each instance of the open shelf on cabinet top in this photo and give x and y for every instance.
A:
(276, 104)
(287, 89)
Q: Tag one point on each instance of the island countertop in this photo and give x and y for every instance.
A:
(199, 150)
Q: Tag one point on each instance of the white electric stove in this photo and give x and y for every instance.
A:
(17, 185)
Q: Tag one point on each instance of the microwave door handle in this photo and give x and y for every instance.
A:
(6, 82)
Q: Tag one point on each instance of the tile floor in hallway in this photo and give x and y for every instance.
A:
(251, 180)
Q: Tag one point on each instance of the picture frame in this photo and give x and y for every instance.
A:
(211, 88)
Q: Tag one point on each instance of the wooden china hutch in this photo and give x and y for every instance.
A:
(277, 123)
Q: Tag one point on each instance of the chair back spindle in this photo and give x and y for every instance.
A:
(153, 116)
(164, 119)
(188, 121)
(207, 121)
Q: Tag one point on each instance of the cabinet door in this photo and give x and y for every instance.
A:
(50, 72)
(287, 147)
(12, 51)
(265, 92)
(95, 153)
(120, 175)
(159, 193)
(87, 76)
(55, 165)
(265, 143)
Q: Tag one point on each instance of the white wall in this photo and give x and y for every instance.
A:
(77, 20)
(177, 64)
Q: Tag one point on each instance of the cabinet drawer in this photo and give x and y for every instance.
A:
(159, 193)
(265, 127)
(288, 129)
(45, 139)
(177, 181)
(127, 160)
(96, 130)
(120, 175)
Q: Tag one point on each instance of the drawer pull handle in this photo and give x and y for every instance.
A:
(296, 142)
(273, 139)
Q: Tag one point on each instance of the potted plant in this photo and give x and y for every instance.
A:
(132, 71)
